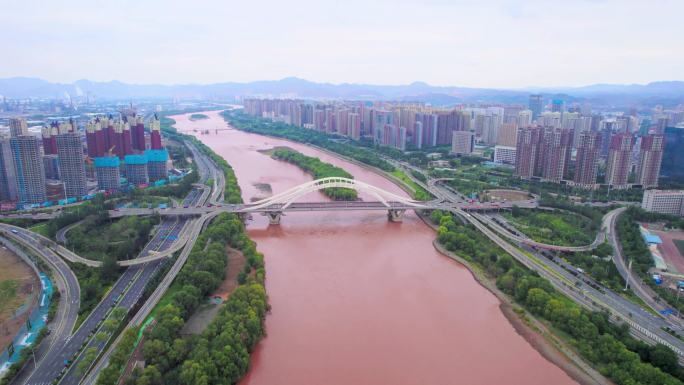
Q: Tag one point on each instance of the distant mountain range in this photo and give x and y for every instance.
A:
(665, 92)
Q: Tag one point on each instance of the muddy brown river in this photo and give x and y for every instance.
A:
(359, 300)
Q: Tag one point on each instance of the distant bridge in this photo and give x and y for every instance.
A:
(276, 205)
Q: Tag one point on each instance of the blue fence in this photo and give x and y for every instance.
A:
(29, 331)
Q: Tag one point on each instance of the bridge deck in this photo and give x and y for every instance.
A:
(310, 206)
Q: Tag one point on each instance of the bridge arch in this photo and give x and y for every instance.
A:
(286, 198)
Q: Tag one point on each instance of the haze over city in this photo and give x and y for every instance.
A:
(494, 44)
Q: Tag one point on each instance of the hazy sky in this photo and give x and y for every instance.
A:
(443, 42)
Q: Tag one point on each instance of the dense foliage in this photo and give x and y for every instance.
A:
(101, 238)
(221, 354)
(318, 169)
(302, 135)
(119, 357)
(553, 227)
(609, 347)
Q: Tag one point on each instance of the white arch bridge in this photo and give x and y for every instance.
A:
(276, 205)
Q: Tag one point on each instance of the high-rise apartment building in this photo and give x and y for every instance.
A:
(71, 165)
(526, 151)
(587, 159)
(156, 164)
(650, 159)
(463, 142)
(619, 160)
(18, 127)
(557, 105)
(319, 120)
(536, 105)
(49, 134)
(8, 178)
(555, 153)
(28, 167)
(108, 173)
(550, 119)
(342, 121)
(330, 123)
(138, 134)
(155, 134)
(673, 155)
(508, 134)
(136, 169)
(524, 118)
(51, 166)
(354, 125)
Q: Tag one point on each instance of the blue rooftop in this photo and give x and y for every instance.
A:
(107, 161)
(157, 155)
(653, 239)
(135, 159)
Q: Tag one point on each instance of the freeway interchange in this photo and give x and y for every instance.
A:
(58, 361)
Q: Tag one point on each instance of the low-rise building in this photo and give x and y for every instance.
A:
(504, 154)
(664, 201)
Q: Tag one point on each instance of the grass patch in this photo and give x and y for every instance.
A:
(166, 299)
(419, 192)
(198, 117)
(556, 228)
(8, 292)
(41, 229)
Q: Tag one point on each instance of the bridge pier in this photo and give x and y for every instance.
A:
(274, 217)
(395, 215)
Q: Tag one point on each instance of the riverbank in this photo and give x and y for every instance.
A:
(532, 330)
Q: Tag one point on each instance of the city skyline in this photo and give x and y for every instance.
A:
(501, 44)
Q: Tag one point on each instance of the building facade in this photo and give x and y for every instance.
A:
(526, 151)
(108, 173)
(156, 164)
(136, 169)
(650, 160)
(587, 159)
(463, 142)
(28, 167)
(8, 178)
(664, 201)
(71, 165)
(504, 155)
(619, 160)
